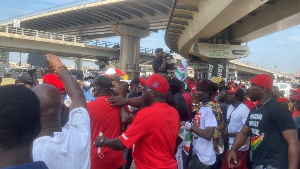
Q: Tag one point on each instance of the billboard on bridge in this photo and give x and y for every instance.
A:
(223, 50)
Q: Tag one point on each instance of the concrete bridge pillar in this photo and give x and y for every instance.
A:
(79, 63)
(130, 47)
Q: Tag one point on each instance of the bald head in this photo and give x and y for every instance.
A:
(50, 100)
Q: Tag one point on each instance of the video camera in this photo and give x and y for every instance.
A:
(168, 56)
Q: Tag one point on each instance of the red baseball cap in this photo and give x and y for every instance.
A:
(158, 83)
(263, 80)
(55, 81)
(233, 90)
(296, 97)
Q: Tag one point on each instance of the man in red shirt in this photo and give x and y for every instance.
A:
(154, 129)
(105, 120)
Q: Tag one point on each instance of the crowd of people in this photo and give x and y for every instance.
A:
(154, 122)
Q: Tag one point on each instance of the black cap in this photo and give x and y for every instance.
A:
(159, 50)
(103, 81)
(25, 78)
(135, 80)
(175, 83)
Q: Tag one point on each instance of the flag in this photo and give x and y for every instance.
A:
(182, 70)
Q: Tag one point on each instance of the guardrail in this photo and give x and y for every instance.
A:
(256, 66)
(41, 34)
(56, 8)
(116, 45)
(68, 38)
(105, 44)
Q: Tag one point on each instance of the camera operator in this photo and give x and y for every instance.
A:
(160, 64)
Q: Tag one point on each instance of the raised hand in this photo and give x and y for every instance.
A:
(54, 63)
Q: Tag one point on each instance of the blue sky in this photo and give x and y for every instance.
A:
(280, 49)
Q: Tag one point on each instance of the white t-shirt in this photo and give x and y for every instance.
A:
(203, 148)
(238, 119)
(69, 149)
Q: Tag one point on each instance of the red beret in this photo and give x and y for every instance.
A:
(263, 80)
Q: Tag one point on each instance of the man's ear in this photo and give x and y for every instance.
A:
(265, 90)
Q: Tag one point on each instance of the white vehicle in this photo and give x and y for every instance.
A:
(285, 87)
(15, 72)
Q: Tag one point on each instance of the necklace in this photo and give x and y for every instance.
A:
(263, 104)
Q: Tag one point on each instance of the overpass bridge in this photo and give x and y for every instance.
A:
(228, 21)
(192, 21)
(34, 41)
(94, 19)
(218, 26)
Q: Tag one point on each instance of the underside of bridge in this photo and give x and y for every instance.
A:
(221, 25)
(94, 20)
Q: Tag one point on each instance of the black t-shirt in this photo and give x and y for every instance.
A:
(157, 64)
(181, 107)
(267, 143)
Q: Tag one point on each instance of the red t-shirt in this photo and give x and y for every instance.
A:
(106, 119)
(249, 104)
(154, 131)
(189, 101)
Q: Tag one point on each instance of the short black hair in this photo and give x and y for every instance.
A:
(19, 116)
(135, 80)
(159, 50)
(103, 81)
(206, 86)
(240, 95)
(124, 85)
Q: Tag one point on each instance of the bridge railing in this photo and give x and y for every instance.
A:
(116, 45)
(56, 8)
(256, 66)
(41, 34)
(68, 38)
(105, 44)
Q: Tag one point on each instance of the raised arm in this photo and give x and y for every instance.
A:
(72, 87)
(120, 101)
